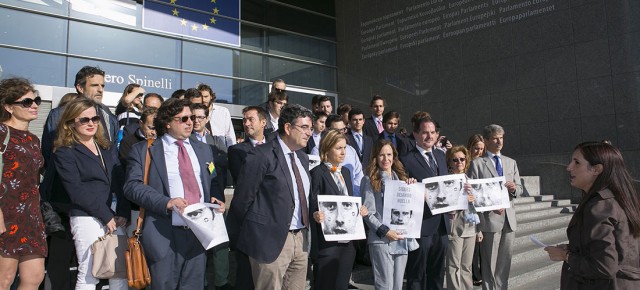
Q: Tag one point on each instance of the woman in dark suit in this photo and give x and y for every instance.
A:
(604, 233)
(333, 261)
(90, 173)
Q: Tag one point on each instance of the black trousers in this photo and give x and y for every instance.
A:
(425, 266)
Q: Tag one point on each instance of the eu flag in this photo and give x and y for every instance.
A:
(211, 20)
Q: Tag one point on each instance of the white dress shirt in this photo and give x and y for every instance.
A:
(296, 219)
(220, 120)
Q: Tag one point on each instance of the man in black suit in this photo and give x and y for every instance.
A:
(254, 121)
(425, 266)
(356, 137)
(269, 217)
(277, 99)
(391, 121)
(373, 125)
(175, 257)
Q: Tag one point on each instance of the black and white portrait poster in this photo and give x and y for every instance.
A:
(490, 193)
(206, 223)
(342, 220)
(403, 207)
(446, 193)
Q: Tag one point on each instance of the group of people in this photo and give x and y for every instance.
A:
(93, 162)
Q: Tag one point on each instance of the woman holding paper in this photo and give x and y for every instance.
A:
(604, 233)
(464, 232)
(333, 261)
(388, 249)
(89, 170)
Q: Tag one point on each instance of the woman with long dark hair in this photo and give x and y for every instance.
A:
(604, 233)
(388, 249)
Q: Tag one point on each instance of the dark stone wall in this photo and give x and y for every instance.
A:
(553, 73)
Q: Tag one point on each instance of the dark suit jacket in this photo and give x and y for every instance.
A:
(322, 183)
(367, 147)
(237, 155)
(403, 144)
(89, 185)
(157, 232)
(311, 144)
(220, 159)
(370, 129)
(263, 203)
(418, 168)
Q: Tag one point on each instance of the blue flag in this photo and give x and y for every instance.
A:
(211, 20)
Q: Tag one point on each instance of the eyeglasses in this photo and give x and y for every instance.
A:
(85, 120)
(185, 118)
(304, 128)
(27, 103)
(201, 118)
(456, 160)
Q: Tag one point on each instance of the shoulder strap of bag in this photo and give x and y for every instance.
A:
(147, 164)
(3, 148)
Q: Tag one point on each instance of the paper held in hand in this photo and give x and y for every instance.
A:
(206, 223)
(403, 207)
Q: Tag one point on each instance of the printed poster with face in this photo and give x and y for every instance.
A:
(206, 223)
(490, 193)
(403, 207)
(342, 220)
(446, 193)
(314, 160)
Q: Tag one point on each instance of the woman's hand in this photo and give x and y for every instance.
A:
(394, 236)
(558, 253)
(220, 203)
(410, 181)
(318, 216)
(471, 198)
(111, 225)
(121, 221)
(364, 211)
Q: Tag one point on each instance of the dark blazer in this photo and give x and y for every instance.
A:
(322, 183)
(89, 185)
(311, 144)
(157, 232)
(403, 144)
(220, 159)
(603, 252)
(370, 129)
(260, 214)
(418, 168)
(237, 155)
(367, 147)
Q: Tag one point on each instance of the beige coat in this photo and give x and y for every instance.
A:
(603, 253)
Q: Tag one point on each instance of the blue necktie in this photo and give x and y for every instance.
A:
(432, 162)
(392, 138)
(498, 165)
(359, 141)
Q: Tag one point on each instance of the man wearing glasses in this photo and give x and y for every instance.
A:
(180, 174)
(269, 217)
(351, 159)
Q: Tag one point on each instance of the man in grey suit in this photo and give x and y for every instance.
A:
(180, 174)
(499, 226)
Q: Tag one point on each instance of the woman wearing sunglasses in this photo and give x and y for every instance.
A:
(90, 173)
(463, 235)
(22, 239)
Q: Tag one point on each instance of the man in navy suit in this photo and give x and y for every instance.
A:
(254, 121)
(269, 217)
(179, 175)
(357, 139)
(319, 119)
(276, 100)
(425, 266)
(373, 125)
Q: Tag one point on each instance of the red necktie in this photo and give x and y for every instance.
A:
(189, 181)
(380, 128)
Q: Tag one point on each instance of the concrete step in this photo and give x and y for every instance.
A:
(541, 223)
(520, 207)
(537, 269)
(549, 234)
(526, 252)
(526, 199)
(551, 282)
(537, 213)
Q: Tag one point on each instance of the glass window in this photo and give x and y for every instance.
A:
(222, 61)
(249, 93)
(302, 74)
(117, 44)
(302, 48)
(252, 38)
(324, 7)
(115, 12)
(56, 7)
(33, 30)
(39, 68)
(221, 86)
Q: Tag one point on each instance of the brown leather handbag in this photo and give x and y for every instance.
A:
(137, 270)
